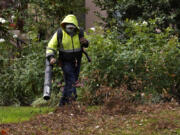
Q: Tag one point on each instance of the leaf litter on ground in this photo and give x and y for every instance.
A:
(115, 117)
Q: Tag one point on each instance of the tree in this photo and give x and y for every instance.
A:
(49, 13)
(119, 10)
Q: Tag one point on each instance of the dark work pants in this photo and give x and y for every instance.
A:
(71, 71)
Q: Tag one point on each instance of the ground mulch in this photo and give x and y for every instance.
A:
(76, 119)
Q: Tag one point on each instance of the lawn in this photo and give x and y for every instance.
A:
(20, 114)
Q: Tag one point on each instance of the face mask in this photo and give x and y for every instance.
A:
(70, 29)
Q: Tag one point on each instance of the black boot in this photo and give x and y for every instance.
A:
(63, 101)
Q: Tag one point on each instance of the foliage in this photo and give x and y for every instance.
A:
(20, 114)
(147, 60)
(41, 17)
(21, 78)
(56, 9)
(4, 27)
(45, 14)
(119, 10)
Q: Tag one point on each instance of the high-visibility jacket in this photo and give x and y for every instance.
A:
(70, 47)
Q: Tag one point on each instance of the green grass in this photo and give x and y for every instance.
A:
(20, 114)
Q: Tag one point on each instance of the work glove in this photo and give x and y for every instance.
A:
(52, 61)
(84, 42)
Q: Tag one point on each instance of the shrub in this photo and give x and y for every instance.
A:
(22, 74)
(146, 60)
(22, 78)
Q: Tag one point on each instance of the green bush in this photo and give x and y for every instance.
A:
(146, 60)
(22, 77)
(22, 74)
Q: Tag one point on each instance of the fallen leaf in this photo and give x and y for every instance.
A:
(3, 132)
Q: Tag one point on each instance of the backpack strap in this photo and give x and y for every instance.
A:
(81, 33)
(59, 37)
